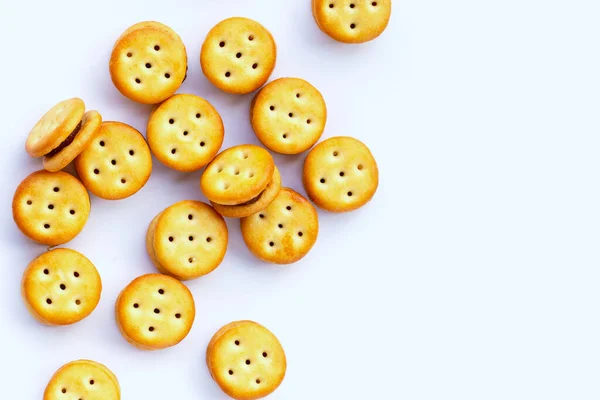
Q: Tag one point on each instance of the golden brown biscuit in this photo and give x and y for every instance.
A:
(340, 174)
(246, 360)
(285, 231)
(185, 132)
(61, 287)
(155, 311)
(288, 115)
(148, 62)
(352, 21)
(117, 164)
(90, 125)
(238, 55)
(83, 380)
(62, 133)
(237, 175)
(257, 204)
(50, 208)
(187, 240)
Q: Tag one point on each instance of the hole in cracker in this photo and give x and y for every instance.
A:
(63, 286)
(129, 54)
(48, 301)
(251, 38)
(131, 152)
(173, 151)
(64, 390)
(47, 226)
(151, 329)
(247, 362)
(185, 133)
(291, 115)
(237, 342)
(255, 65)
(202, 144)
(161, 291)
(113, 162)
(245, 156)
(171, 238)
(251, 175)
(167, 75)
(289, 208)
(374, 4)
(335, 153)
(352, 26)
(352, 5)
(330, 5)
(29, 202)
(102, 143)
(230, 372)
(285, 136)
(190, 217)
(308, 121)
(322, 180)
(123, 180)
(156, 311)
(280, 226)
(220, 169)
(56, 189)
(78, 302)
(226, 186)
(300, 234)
(191, 238)
(91, 381)
(177, 315)
(297, 95)
(46, 272)
(227, 74)
(271, 244)
(261, 215)
(272, 108)
(148, 65)
(239, 55)
(138, 80)
(51, 206)
(96, 171)
(76, 274)
(264, 354)
(222, 44)
(136, 305)
(157, 47)
(360, 167)
(198, 115)
(349, 194)
(171, 121)
(191, 260)
(342, 173)
(72, 212)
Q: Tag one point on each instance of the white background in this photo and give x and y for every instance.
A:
(474, 272)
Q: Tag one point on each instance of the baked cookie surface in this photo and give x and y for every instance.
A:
(83, 380)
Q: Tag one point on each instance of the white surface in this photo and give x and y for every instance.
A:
(473, 274)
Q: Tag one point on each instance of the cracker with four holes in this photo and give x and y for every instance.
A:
(187, 240)
(238, 175)
(83, 380)
(246, 360)
(285, 231)
(61, 287)
(50, 208)
(340, 174)
(155, 311)
(255, 205)
(117, 164)
(238, 55)
(352, 21)
(148, 62)
(288, 115)
(185, 132)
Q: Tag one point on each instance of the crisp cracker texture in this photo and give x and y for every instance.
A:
(285, 231)
(246, 360)
(90, 125)
(352, 21)
(187, 240)
(61, 287)
(117, 164)
(148, 63)
(238, 55)
(288, 115)
(54, 127)
(50, 208)
(84, 380)
(261, 202)
(237, 175)
(185, 132)
(155, 311)
(340, 174)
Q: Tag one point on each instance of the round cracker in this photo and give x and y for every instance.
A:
(238, 55)
(246, 360)
(117, 164)
(285, 231)
(54, 127)
(50, 208)
(185, 132)
(89, 127)
(148, 64)
(83, 379)
(259, 203)
(237, 175)
(288, 115)
(188, 240)
(352, 21)
(340, 174)
(61, 287)
(155, 311)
